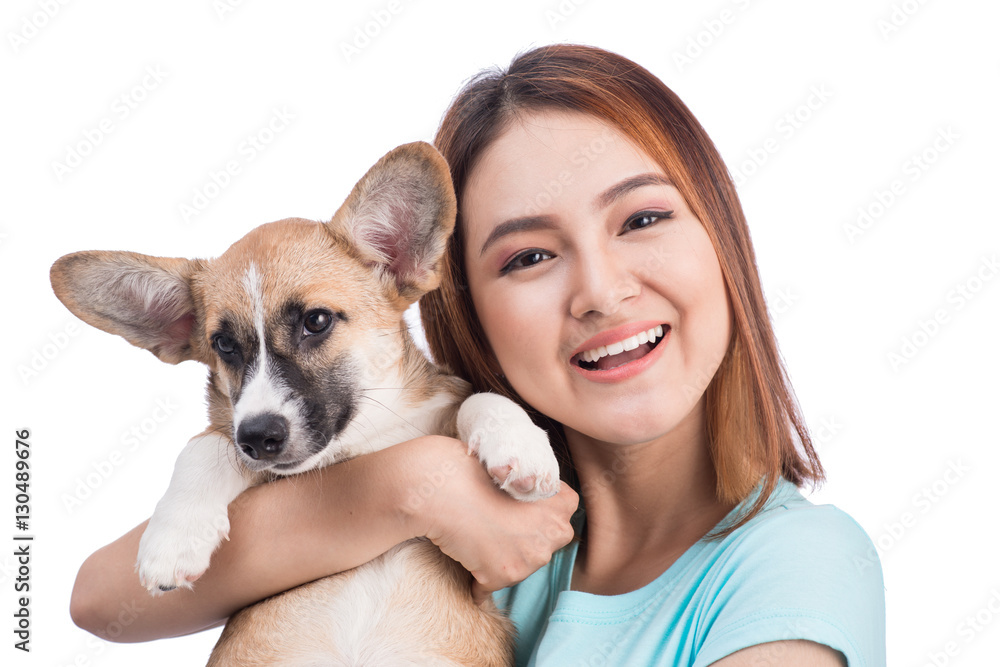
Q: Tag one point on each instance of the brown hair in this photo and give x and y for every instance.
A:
(753, 420)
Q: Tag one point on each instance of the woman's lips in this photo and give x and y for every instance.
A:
(622, 352)
(617, 334)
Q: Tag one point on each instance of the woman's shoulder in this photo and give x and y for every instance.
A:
(796, 570)
(802, 547)
(790, 521)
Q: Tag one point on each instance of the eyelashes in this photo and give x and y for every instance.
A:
(531, 256)
(648, 218)
(524, 259)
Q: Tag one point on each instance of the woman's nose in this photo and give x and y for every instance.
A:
(602, 284)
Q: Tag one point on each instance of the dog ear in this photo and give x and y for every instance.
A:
(399, 217)
(145, 300)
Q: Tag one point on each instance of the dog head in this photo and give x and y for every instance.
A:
(296, 320)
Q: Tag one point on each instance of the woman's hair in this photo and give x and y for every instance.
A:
(754, 426)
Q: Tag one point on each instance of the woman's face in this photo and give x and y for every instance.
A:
(599, 291)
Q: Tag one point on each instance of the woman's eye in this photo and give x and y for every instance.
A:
(646, 219)
(525, 259)
(316, 322)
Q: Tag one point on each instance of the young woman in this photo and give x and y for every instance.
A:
(602, 275)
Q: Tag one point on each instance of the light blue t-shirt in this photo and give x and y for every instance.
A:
(795, 571)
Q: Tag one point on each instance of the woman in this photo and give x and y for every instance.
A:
(601, 274)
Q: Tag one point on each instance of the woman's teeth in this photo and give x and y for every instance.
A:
(630, 343)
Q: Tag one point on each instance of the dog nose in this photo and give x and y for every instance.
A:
(262, 436)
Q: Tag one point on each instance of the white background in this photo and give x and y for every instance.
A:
(887, 432)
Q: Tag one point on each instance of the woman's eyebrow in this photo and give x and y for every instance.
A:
(603, 200)
(619, 190)
(514, 225)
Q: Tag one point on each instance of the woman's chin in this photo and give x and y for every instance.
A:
(621, 432)
(632, 422)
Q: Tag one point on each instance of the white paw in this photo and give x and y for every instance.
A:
(175, 550)
(519, 458)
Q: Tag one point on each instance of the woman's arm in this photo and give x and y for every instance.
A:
(790, 653)
(301, 528)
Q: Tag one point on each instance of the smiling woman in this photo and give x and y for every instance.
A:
(570, 287)
(623, 309)
(601, 275)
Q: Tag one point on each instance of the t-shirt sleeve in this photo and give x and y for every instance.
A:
(803, 572)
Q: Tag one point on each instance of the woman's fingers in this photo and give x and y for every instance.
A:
(523, 543)
(497, 538)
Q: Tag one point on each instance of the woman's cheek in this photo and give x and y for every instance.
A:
(521, 326)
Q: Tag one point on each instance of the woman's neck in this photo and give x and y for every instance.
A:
(646, 504)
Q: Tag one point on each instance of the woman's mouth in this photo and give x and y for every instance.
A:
(621, 352)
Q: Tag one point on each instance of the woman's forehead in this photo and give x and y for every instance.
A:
(546, 158)
(572, 138)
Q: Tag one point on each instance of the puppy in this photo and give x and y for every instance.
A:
(310, 363)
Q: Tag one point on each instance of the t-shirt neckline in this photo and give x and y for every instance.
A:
(620, 605)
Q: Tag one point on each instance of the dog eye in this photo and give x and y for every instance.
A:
(316, 322)
(224, 345)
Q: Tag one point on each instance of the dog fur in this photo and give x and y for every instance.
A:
(311, 363)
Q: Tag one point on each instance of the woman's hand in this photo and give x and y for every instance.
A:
(282, 534)
(297, 529)
(500, 540)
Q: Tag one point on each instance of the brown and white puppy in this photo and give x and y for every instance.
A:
(301, 325)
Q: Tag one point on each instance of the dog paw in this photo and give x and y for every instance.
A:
(520, 460)
(515, 451)
(512, 478)
(175, 553)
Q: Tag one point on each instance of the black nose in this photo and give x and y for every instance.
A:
(262, 436)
